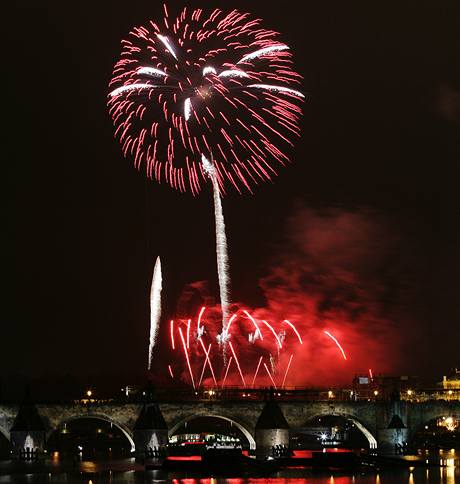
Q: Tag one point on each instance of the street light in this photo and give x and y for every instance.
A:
(409, 392)
(89, 393)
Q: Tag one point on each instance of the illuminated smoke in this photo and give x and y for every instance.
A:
(155, 308)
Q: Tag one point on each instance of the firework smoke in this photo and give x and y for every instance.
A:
(155, 308)
(337, 270)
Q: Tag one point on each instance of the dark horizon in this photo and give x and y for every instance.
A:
(378, 155)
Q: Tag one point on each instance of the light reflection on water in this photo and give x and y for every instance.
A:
(126, 471)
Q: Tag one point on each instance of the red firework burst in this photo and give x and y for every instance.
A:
(214, 84)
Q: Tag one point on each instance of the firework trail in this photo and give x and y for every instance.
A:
(155, 308)
(221, 249)
(206, 83)
(287, 370)
(337, 343)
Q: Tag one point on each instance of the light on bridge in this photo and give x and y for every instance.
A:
(409, 392)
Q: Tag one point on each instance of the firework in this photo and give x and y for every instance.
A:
(221, 249)
(337, 343)
(215, 84)
(155, 308)
(200, 351)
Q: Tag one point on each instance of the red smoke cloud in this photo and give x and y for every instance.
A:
(338, 271)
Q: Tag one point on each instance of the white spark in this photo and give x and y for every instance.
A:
(233, 73)
(208, 167)
(209, 69)
(155, 308)
(167, 44)
(272, 87)
(187, 108)
(151, 71)
(221, 249)
(265, 50)
(130, 87)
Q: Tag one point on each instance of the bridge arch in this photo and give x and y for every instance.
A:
(238, 425)
(125, 430)
(352, 418)
(5, 433)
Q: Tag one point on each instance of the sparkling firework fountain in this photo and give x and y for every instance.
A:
(155, 308)
(206, 96)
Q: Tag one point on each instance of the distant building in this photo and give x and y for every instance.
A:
(383, 386)
(451, 382)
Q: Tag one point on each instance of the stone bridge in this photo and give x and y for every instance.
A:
(373, 418)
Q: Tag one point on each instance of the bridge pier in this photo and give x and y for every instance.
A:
(392, 434)
(28, 432)
(272, 432)
(150, 431)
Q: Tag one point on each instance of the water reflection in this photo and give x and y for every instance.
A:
(127, 471)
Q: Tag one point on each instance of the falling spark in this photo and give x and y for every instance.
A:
(271, 87)
(287, 369)
(294, 329)
(188, 333)
(226, 371)
(209, 69)
(265, 51)
(170, 371)
(187, 357)
(273, 331)
(258, 333)
(230, 321)
(257, 371)
(233, 73)
(151, 71)
(168, 45)
(337, 343)
(237, 363)
(270, 375)
(130, 87)
(199, 331)
(172, 334)
(155, 308)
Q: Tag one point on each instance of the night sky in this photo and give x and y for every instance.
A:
(374, 180)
